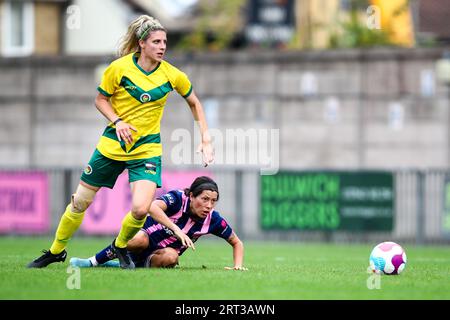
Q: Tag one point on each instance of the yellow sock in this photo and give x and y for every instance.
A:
(130, 226)
(69, 223)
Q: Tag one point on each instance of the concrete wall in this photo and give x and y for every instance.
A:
(341, 109)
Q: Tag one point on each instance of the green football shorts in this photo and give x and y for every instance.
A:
(103, 172)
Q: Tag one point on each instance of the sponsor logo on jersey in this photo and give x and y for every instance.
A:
(168, 231)
(150, 168)
(170, 198)
(88, 170)
(223, 223)
(145, 97)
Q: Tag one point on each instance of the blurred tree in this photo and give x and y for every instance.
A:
(218, 23)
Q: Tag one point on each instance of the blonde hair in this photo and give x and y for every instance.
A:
(139, 29)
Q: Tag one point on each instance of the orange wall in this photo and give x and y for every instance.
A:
(396, 19)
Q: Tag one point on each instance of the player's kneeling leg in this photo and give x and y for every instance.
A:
(162, 258)
(138, 243)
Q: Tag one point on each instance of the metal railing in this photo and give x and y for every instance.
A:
(419, 206)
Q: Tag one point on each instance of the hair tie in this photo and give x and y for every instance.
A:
(144, 34)
(209, 186)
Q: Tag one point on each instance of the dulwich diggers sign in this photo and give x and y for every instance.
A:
(328, 200)
(24, 206)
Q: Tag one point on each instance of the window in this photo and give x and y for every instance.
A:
(349, 5)
(17, 28)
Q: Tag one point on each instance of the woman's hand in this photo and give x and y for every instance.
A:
(185, 240)
(207, 151)
(123, 131)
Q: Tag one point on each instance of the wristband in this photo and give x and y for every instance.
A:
(117, 121)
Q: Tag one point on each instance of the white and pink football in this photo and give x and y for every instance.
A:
(388, 258)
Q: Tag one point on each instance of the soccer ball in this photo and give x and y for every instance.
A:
(388, 258)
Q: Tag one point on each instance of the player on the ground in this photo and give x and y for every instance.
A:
(192, 210)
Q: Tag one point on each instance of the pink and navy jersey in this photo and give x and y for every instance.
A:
(178, 211)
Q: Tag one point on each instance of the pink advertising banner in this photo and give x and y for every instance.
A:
(24, 206)
(105, 214)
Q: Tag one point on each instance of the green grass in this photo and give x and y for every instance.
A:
(276, 271)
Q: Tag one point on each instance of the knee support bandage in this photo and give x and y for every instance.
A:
(82, 198)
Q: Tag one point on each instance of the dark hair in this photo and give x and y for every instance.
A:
(201, 184)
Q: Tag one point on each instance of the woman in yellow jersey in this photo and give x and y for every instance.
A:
(132, 96)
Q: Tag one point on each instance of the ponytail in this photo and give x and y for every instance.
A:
(139, 29)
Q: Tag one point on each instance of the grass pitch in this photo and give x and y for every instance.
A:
(276, 271)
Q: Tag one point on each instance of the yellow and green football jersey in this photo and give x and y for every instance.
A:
(138, 97)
